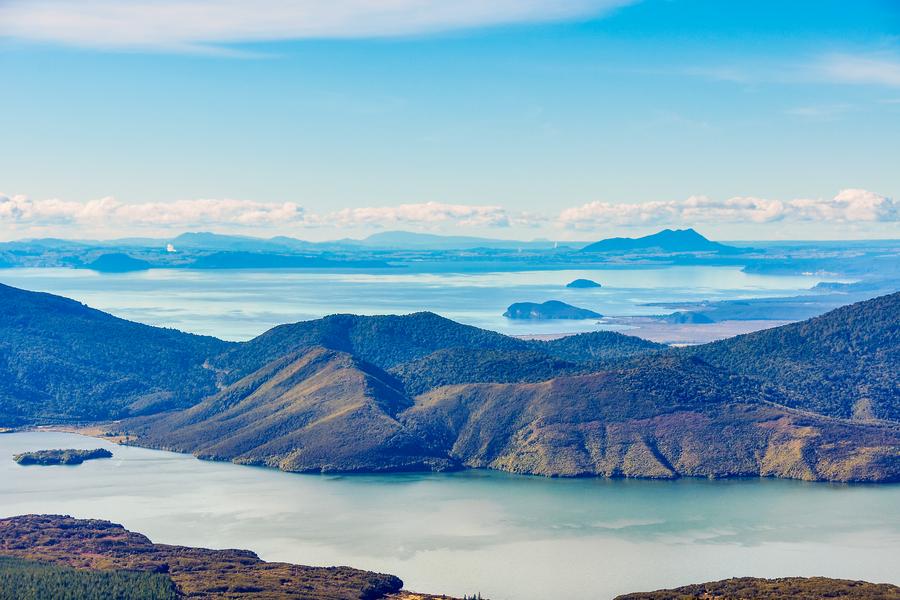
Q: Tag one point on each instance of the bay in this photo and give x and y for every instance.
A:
(505, 536)
(240, 304)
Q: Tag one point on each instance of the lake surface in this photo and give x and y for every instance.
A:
(240, 304)
(508, 537)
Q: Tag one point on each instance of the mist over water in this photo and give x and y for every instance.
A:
(240, 304)
(509, 537)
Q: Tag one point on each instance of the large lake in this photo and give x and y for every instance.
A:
(505, 536)
(240, 304)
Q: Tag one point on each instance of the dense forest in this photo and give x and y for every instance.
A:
(31, 580)
(62, 361)
(844, 363)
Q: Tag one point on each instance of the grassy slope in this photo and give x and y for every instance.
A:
(667, 417)
(319, 410)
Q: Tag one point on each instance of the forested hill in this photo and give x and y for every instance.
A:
(426, 350)
(844, 363)
(655, 414)
(419, 391)
(60, 360)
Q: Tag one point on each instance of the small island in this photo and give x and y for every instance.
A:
(552, 309)
(581, 284)
(688, 317)
(60, 457)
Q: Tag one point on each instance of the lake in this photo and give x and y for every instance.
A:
(240, 304)
(506, 536)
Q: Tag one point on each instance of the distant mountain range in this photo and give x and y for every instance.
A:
(421, 252)
(670, 241)
(813, 400)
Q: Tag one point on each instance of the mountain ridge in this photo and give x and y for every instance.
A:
(667, 241)
(380, 393)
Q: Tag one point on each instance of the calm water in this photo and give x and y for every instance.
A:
(505, 536)
(239, 304)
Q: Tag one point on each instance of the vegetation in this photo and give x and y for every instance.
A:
(842, 364)
(60, 457)
(598, 348)
(62, 361)
(31, 580)
(664, 417)
(795, 588)
(319, 410)
(100, 547)
(350, 393)
(384, 341)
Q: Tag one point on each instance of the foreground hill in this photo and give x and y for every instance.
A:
(61, 361)
(101, 546)
(844, 363)
(794, 588)
(319, 410)
(351, 393)
(657, 414)
(665, 417)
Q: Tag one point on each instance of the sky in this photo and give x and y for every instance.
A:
(576, 119)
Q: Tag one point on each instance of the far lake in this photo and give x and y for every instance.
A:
(507, 537)
(240, 304)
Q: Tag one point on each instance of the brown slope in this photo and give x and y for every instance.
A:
(320, 410)
(666, 418)
(197, 572)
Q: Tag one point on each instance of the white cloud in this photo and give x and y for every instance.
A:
(878, 69)
(194, 24)
(424, 214)
(21, 210)
(850, 205)
(22, 216)
(18, 211)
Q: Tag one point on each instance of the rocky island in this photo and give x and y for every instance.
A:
(580, 284)
(552, 309)
(60, 457)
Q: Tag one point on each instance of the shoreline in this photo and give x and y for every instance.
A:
(96, 431)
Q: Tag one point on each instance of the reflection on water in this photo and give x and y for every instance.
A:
(505, 536)
(239, 304)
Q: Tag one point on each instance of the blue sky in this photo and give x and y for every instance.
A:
(749, 120)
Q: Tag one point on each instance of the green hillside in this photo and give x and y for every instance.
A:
(62, 361)
(844, 363)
